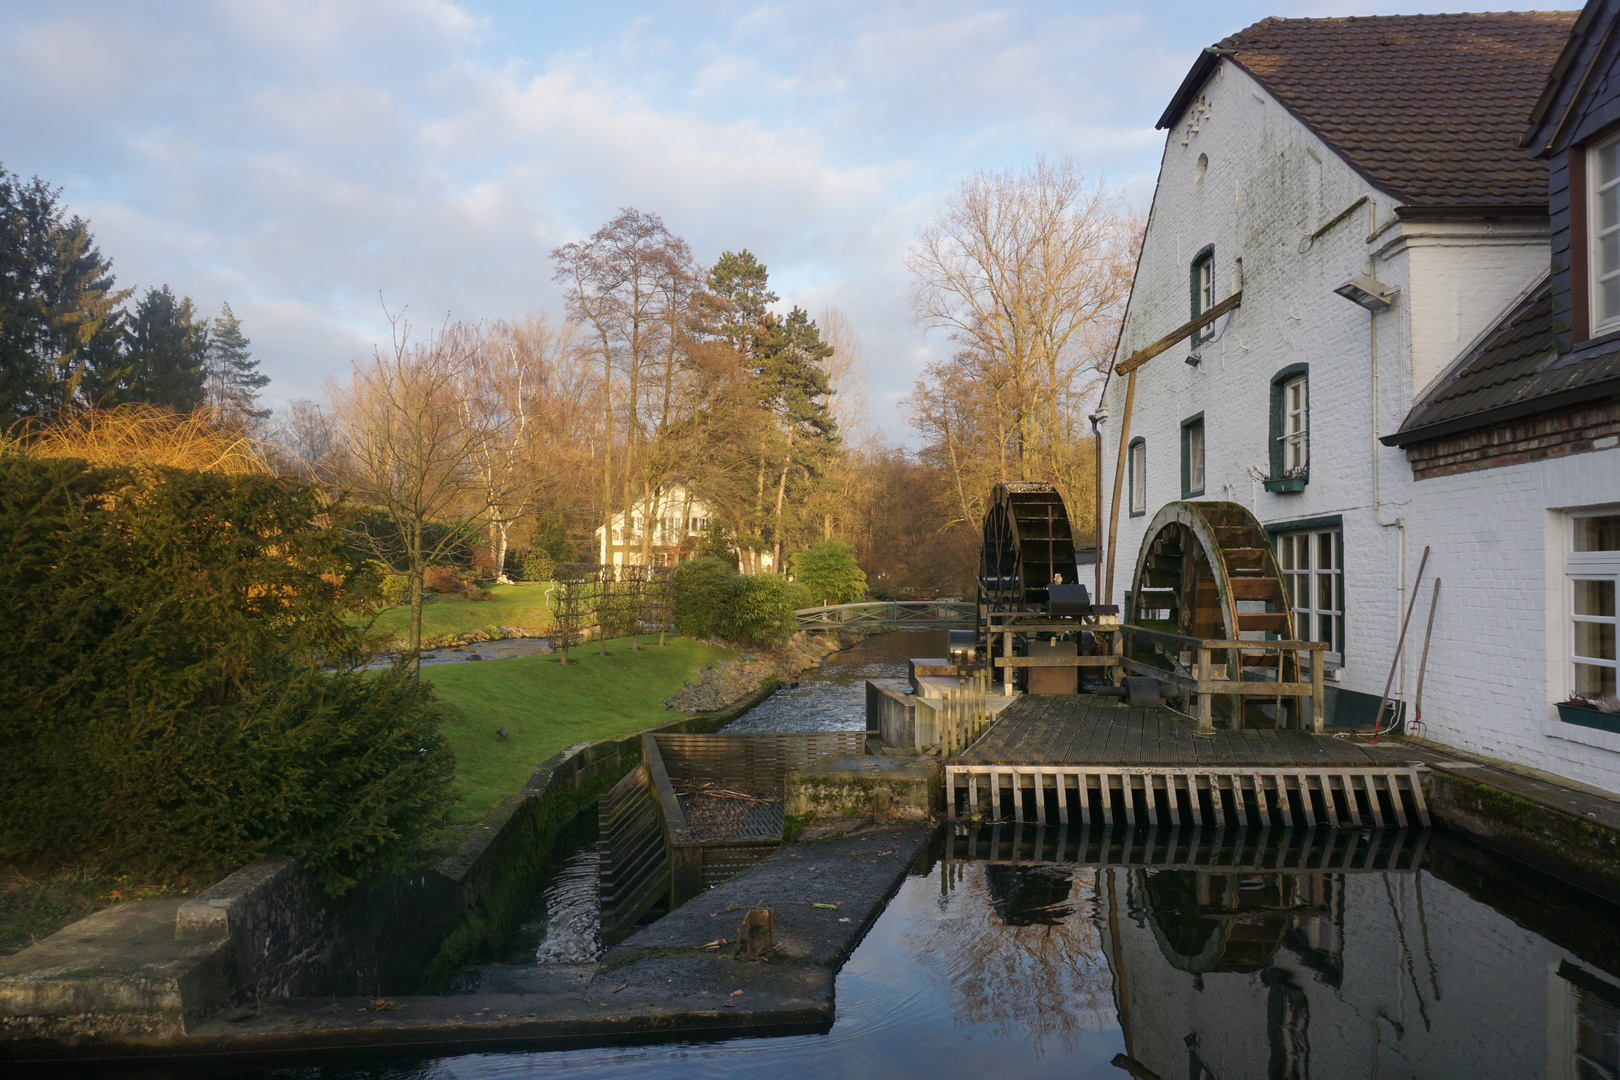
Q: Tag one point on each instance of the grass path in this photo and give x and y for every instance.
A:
(514, 605)
(545, 707)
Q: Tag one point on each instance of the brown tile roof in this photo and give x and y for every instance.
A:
(1428, 107)
(1516, 370)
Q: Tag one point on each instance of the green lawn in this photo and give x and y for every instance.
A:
(514, 605)
(546, 707)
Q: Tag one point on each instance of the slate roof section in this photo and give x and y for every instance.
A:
(1516, 370)
(1429, 108)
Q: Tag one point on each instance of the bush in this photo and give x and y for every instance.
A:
(703, 590)
(538, 565)
(831, 574)
(166, 711)
(395, 589)
(445, 579)
(712, 600)
(762, 611)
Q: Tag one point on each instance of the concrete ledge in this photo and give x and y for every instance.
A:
(850, 785)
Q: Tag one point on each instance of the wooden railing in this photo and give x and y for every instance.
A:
(760, 760)
(961, 716)
(1209, 675)
(634, 873)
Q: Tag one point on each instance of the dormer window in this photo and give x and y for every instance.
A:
(1603, 185)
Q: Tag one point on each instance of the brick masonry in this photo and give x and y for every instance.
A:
(1573, 430)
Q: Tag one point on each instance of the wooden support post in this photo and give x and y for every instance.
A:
(1206, 704)
(1318, 695)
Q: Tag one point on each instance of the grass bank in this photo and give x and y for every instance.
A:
(513, 605)
(36, 901)
(545, 707)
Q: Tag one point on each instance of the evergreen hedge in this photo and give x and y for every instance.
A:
(712, 600)
(166, 711)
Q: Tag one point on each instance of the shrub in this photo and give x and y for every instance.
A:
(166, 711)
(445, 579)
(712, 600)
(762, 611)
(830, 572)
(703, 590)
(538, 565)
(395, 589)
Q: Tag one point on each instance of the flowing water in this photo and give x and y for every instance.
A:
(833, 696)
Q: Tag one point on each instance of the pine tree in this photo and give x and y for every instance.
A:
(233, 377)
(58, 307)
(162, 361)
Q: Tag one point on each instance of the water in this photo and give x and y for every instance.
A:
(504, 649)
(1063, 963)
(833, 696)
(1468, 967)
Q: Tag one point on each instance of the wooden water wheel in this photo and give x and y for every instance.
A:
(1207, 570)
(1027, 545)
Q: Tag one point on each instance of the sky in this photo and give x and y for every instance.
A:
(309, 161)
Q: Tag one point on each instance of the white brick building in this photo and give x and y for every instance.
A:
(1304, 154)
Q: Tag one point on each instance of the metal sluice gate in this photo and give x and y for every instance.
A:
(1197, 795)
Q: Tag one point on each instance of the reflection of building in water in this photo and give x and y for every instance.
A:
(1229, 975)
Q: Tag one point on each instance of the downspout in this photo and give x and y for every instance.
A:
(1096, 550)
(1378, 514)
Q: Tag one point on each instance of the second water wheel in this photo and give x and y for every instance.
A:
(1207, 570)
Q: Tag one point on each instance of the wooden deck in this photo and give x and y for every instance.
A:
(1087, 730)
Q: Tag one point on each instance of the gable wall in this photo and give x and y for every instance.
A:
(1493, 669)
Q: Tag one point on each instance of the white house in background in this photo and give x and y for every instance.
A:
(1449, 412)
(677, 518)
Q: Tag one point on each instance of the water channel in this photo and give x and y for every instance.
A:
(1032, 955)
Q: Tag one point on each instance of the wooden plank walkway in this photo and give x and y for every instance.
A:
(1086, 730)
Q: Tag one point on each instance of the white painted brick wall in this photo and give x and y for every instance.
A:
(1495, 666)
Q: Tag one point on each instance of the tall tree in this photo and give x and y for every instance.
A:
(164, 358)
(1028, 271)
(233, 379)
(58, 306)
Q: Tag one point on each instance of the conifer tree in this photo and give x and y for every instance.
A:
(58, 307)
(233, 376)
(162, 362)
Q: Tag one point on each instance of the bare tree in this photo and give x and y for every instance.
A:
(411, 447)
(1028, 270)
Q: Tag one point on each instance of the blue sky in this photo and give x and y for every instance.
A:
(298, 159)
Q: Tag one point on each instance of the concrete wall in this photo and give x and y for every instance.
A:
(1496, 664)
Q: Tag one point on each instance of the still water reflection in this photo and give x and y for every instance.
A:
(1034, 954)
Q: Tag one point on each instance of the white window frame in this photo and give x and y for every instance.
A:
(1136, 462)
(1206, 283)
(1587, 566)
(1304, 586)
(1596, 188)
(1296, 419)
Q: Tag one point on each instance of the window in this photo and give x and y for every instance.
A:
(1603, 228)
(1312, 563)
(1290, 429)
(1192, 457)
(1296, 451)
(1136, 472)
(1593, 576)
(1203, 290)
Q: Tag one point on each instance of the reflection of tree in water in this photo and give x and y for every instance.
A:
(1022, 946)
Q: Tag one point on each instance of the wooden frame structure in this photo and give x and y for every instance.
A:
(1209, 677)
(1010, 624)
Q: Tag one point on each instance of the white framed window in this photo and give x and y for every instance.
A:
(1136, 470)
(1296, 446)
(1206, 284)
(1603, 230)
(1592, 580)
(1312, 563)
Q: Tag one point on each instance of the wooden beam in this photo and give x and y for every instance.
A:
(1142, 356)
(1127, 367)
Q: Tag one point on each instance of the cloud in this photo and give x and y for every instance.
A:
(298, 159)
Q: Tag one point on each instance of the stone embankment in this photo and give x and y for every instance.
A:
(722, 684)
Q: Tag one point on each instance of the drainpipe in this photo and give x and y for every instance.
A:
(1378, 514)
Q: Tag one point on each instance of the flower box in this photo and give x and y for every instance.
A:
(1287, 483)
(1581, 716)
